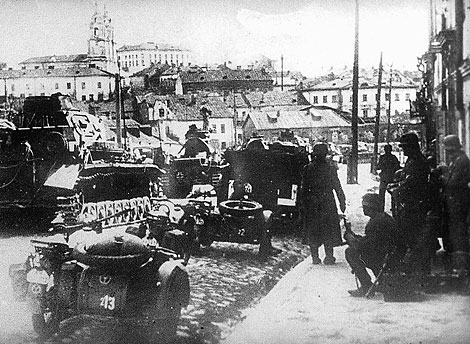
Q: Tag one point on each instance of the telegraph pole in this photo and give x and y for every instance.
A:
(389, 112)
(352, 160)
(373, 165)
(117, 91)
(282, 72)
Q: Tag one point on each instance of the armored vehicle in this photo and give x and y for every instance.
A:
(55, 157)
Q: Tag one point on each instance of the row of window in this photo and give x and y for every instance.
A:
(334, 98)
(56, 86)
(222, 128)
(133, 59)
(90, 97)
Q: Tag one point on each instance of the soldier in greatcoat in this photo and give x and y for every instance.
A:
(321, 220)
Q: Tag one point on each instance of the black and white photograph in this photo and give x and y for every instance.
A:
(234, 172)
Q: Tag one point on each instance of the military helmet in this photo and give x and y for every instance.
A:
(319, 149)
(452, 142)
(409, 140)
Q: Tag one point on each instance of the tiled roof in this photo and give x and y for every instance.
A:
(273, 98)
(111, 123)
(150, 46)
(187, 107)
(224, 75)
(296, 118)
(239, 101)
(56, 58)
(153, 69)
(103, 107)
(56, 72)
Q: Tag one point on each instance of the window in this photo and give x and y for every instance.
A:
(50, 67)
(36, 67)
(69, 85)
(397, 97)
(43, 94)
(214, 128)
(334, 99)
(364, 97)
(99, 84)
(387, 97)
(83, 85)
(365, 112)
(222, 128)
(56, 85)
(407, 96)
(13, 87)
(91, 97)
(224, 145)
(325, 99)
(315, 99)
(83, 97)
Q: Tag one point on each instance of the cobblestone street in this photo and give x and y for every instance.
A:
(225, 279)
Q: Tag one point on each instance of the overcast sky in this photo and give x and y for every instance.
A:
(311, 34)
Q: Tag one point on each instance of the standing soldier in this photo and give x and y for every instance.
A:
(457, 201)
(411, 196)
(321, 219)
(388, 165)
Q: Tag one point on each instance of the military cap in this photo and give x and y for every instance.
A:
(452, 142)
(409, 140)
(372, 200)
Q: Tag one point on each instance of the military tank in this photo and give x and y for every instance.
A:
(55, 158)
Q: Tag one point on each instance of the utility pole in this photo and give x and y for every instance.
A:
(353, 157)
(282, 72)
(389, 112)
(117, 91)
(373, 165)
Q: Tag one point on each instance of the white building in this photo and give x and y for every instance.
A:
(134, 58)
(81, 76)
(337, 93)
(78, 82)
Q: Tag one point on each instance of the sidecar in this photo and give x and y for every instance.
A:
(114, 275)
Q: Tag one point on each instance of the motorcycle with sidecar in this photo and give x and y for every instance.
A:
(237, 220)
(111, 274)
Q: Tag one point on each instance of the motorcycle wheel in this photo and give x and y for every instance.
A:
(240, 208)
(46, 323)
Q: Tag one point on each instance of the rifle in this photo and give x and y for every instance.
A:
(373, 287)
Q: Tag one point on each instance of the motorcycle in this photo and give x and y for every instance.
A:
(112, 274)
(236, 220)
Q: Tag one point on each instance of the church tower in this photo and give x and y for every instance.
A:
(101, 45)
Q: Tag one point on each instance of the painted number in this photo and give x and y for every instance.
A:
(108, 302)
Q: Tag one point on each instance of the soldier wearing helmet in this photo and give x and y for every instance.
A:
(321, 222)
(456, 202)
(412, 198)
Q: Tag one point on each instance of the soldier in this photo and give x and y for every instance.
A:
(388, 164)
(457, 201)
(369, 251)
(412, 197)
(321, 219)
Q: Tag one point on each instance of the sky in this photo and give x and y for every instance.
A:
(311, 35)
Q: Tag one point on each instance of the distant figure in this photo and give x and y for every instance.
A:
(388, 164)
(457, 202)
(370, 250)
(321, 221)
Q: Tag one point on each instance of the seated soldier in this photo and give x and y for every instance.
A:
(369, 251)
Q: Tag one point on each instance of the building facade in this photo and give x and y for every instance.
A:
(337, 93)
(446, 72)
(134, 58)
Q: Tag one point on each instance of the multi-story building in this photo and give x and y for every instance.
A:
(82, 76)
(337, 93)
(134, 58)
(446, 73)
(171, 116)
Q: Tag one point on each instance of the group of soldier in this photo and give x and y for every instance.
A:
(428, 202)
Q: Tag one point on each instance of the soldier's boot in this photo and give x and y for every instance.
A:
(365, 282)
(315, 257)
(329, 258)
